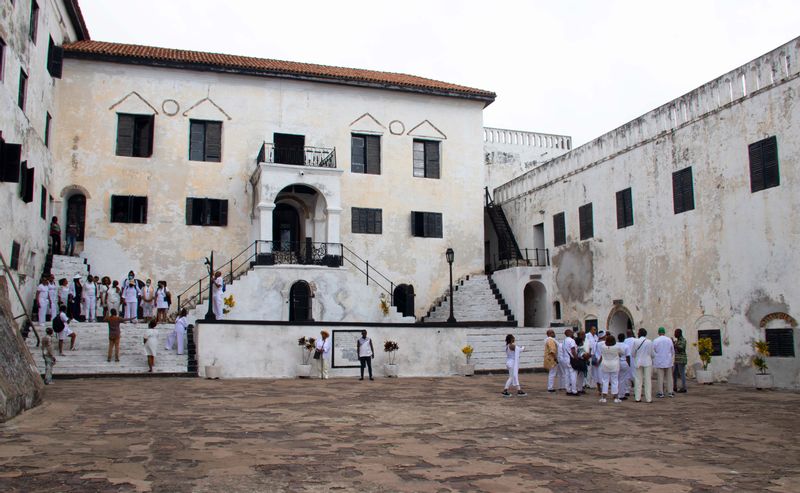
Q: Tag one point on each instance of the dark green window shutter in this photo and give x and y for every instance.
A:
(585, 221)
(432, 160)
(223, 212)
(13, 262)
(142, 210)
(125, 130)
(143, 140)
(373, 155)
(756, 167)
(559, 229)
(26, 188)
(11, 162)
(682, 190)
(197, 137)
(687, 189)
(621, 210)
(214, 141)
(419, 158)
(770, 153)
(55, 59)
(357, 154)
(189, 207)
(377, 221)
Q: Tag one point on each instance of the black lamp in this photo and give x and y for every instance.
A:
(450, 256)
(210, 266)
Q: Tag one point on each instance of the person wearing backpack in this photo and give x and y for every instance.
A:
(61, 327)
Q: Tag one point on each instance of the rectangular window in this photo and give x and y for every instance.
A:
(43, 205)
(205, 141)
(368, 221)
(682, 190)
(13, 263)
(206, 212)
(365, 154)
(426, 224)
(47, 121)
(26, 176)
(624, 208)
(764, 171)
(55, 59)
(10, 162)
(716, 340)
(426, 159)
(781, 342)
(23, 89)
(34, 23)
(559, 229)
(128, 209)
(585, 221)
(134, 135)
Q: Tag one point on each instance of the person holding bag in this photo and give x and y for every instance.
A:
(322, 353)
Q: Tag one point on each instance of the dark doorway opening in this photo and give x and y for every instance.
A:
(404, 299)
(300, 302)
(286, 228)
(289, 149)
(76, 211)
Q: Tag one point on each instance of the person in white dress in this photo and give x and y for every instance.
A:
(52, 293)
(63, 293)
(610, 354)
(162, 303)
(130, 294)
(102, 298)
(114, 297)
(148, 301)
(43, 300)
(624, 368)
(151, 344)
(216, 292)
(90, 299)
(512, 363)
(178, 334)
(323, 347)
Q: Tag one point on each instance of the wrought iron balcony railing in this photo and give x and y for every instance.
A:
(317, 157)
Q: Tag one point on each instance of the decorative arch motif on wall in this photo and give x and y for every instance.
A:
(211, 101)
(134, 93)
(620, 308)
(778, 316)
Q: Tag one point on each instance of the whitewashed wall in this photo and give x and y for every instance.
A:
(251, 109)
(724, 265)
(510, 153)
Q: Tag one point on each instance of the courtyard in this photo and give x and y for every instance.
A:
(415, 434)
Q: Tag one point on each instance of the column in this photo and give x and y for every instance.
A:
(265, 223)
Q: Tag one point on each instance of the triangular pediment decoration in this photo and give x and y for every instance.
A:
(428, 130)
(367, 123)
(206, 109)
(135, 104)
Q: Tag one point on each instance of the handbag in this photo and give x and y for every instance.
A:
(577, 364)
(317, 354)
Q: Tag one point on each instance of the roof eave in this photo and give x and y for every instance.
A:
(487, 99)
(77, 20)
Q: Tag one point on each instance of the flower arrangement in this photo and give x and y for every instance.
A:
(391, 347)
(229, 303)
(307, 346)
(467, 350)
(760, 359)
(384, 304)
(705, 348)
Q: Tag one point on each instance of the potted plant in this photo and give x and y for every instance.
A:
(384, 305)
(229, 303)
(307, 345)
(705, 348)
(390, 347)
(763, 380)
(468, 369)
(213, 372)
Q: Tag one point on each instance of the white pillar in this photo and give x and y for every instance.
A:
(334, 218)
(265, 222)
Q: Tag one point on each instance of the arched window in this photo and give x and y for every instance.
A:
(557, 310)
(300, 302)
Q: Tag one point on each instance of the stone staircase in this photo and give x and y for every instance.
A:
(89, 359)
(477, 299)
(489, 347)
(67, 267)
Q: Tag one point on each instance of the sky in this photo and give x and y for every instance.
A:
(570, 67)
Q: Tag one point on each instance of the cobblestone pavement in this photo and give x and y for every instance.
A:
(415, 434)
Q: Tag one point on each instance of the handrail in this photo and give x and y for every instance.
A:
(366, 270)
(487, 197)
(317, 157)
(7, 272)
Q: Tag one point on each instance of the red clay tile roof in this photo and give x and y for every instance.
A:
(127, 53)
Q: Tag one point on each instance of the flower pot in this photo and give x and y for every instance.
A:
(468, 369)
(303, 371)
(705, 376)
(213, 372)
(763, 381)
(390, 370)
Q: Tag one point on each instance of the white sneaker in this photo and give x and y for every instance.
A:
(603, 400)
(617, 401)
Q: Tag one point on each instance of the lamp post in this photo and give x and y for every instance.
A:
(450, 256)
(210, 265)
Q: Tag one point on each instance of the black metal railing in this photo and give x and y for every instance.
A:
(317, 157)
(533, 257)
(363, 266)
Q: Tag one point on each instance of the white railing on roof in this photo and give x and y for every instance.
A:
(527, 139)
(765, 71)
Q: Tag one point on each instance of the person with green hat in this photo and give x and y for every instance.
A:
(663, 359)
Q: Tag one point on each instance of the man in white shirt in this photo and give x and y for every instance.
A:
(323, 346)
(624, 367)
(630, 339)
(591, 342)
(596, 350)
(643, 362)
(569, 349)
(663, 358)
(365, 352)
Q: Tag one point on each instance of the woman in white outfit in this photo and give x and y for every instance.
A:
(148, 301)
(52, 293)
(151, 344)
(131, 296)
(216, 302)
(178, 334)
(610, 353)
(43, 300)
(512, 363)
(114, 297)
(90, 299)
(162, 305)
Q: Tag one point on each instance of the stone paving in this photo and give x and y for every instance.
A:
(415, 434)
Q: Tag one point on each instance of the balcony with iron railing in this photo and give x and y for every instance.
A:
(315, 157)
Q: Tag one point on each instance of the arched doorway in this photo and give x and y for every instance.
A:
(300, 302)
(76, 211)
(535, 305)
(619, 321)
(404, 299)
(286, 228)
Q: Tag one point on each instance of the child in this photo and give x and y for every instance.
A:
(62, 323)
(512, 363)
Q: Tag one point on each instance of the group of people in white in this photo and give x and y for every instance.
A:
(612, 364)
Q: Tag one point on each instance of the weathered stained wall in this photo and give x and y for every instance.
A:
(725, 264)
(252, 109)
